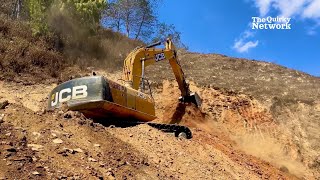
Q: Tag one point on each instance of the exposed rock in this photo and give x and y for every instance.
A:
(36, 173)
(57, 141)
(36, 134)
(1, 118)
(10, 148)
(34, 159)
(78, 150)
(39, 166)
(35, 147)
(78, 114)
(284, 169)
(43, 111)
(3, 104)
(92, 160)
(8, 154)
(102, 165)
(65, 151)
(64, 107)
(110, 174)
(96, 145)
(20, 159)
(69, 114)
(60, 112)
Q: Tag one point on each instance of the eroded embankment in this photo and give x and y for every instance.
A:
(242, 120)
(59, 145)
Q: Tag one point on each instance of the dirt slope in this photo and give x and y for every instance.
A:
(47, 145)
(243, 133)
(69, 148)
(257, 91)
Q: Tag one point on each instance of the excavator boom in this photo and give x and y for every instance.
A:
(135, 63)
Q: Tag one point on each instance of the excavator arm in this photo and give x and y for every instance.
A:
(137, 60)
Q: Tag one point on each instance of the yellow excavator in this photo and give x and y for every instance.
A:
(127, 102)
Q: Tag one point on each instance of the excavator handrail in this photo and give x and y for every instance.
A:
(154, 44)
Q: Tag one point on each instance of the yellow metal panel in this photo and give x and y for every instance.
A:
(131, 98)
(106, 109)
(133, 66)
(144, 104)
(119, 97)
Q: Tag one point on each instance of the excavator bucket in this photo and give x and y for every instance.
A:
(192, 98)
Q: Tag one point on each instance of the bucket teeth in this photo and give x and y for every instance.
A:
(192, 98)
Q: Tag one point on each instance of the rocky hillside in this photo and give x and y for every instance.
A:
(263, 80)
(63, 144)
(234, 132)
(288, 98)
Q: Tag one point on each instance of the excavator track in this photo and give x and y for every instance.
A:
(178, 130)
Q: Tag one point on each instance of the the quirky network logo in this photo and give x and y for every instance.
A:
(271, 23)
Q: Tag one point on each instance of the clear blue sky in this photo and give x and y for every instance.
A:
(224, 27)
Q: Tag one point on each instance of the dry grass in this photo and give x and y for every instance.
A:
(22, 54)
(118, 47)
(86, 46)
(32, 59)
(106, 50)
